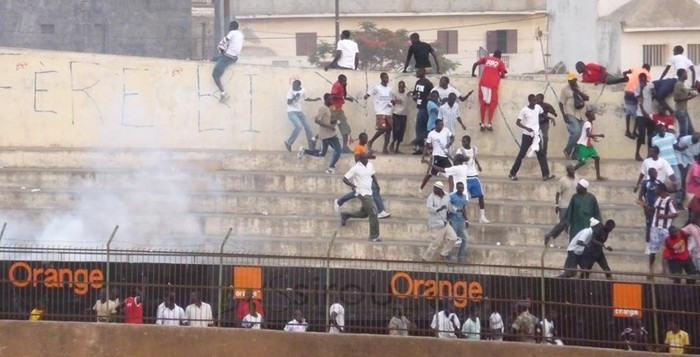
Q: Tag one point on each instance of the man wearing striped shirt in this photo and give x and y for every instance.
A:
(664, 212)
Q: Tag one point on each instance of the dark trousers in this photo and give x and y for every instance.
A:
(541, 157)
(678, 266)
(399, 127)
(544, 128)
(421, 127)
(572, 262)
(590, 258)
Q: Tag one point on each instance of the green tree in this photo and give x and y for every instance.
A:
(380, 50)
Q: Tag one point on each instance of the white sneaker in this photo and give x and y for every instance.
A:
(300, 154)
(330, 170)
(484, 220)
(224, 97)
(458, 242)
(336, 206)
(383, 214)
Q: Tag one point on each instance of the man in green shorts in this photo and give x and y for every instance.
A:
(585, 145)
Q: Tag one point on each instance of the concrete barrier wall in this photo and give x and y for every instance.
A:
(75, 100)
(40, 339)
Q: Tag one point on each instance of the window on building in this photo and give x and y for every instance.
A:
(504, 40)
(306, 43)
(48, 28)
(447, 42)
(654, 55)
(694, 52)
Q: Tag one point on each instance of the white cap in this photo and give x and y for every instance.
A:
(594, 222)
(439, 185)
(584, 183)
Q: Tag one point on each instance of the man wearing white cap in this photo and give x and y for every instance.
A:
(578, 244)
(582, 207)
(441, 233)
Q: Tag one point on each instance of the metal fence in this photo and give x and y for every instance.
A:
(65, 283)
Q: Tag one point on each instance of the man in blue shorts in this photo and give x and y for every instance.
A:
(473, 168)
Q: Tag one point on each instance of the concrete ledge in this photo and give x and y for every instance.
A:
(85, 339)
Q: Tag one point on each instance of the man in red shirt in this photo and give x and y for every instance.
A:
(133, 308)
(339, 93)
(677, 254)
(494, 69)
(595, 73)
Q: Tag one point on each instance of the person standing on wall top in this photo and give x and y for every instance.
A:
(419, 51)
(679, 61)
(681, 96)
(494, 69)
(230, 48)
(294, 97)
(347, 54)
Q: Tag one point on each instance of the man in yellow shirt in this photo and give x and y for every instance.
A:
(676, 339)
(37, 313)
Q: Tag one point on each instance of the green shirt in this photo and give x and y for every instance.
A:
(581, 208)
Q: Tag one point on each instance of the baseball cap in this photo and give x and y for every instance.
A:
(571, 76)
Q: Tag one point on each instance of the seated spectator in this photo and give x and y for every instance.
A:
(596, 74)
(635, 337)
(676, 339)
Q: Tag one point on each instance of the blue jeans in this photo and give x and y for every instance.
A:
(685, 126)
(299, 121)
(461, 230)
(375, 195)
(221, 63)
(334, 143)
(574, 128)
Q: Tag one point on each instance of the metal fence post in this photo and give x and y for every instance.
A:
(221, 275)
(328, 278)
(653, 306)
(109, 244)
(2, 233)
(543, 300)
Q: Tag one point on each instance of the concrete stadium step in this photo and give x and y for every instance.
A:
(284, 204)
(411, 250)
(25, 223)
(495, 188)
(507, 234)
(273, 161)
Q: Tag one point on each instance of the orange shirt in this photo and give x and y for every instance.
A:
(360, 149)
(634, 78)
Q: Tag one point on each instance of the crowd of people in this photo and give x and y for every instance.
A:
(520, 325)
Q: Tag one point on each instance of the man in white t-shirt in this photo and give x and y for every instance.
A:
(337, 316)
(449, 113)
(439, 140)
(445, 323)
(585, 145)
(663, 169)
(399, 117)
(678, 61)
(361, 178)
(444, 89)
(230, 48)
(104, 308)
(170, 314)
(347, 55)
(474, 187)
(198, 312)
(294, 97)
(297, 324)
(253, 320)
(383, 102)
(495, 325)
(529, 121)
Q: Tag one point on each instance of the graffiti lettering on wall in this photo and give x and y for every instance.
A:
(133, 97)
